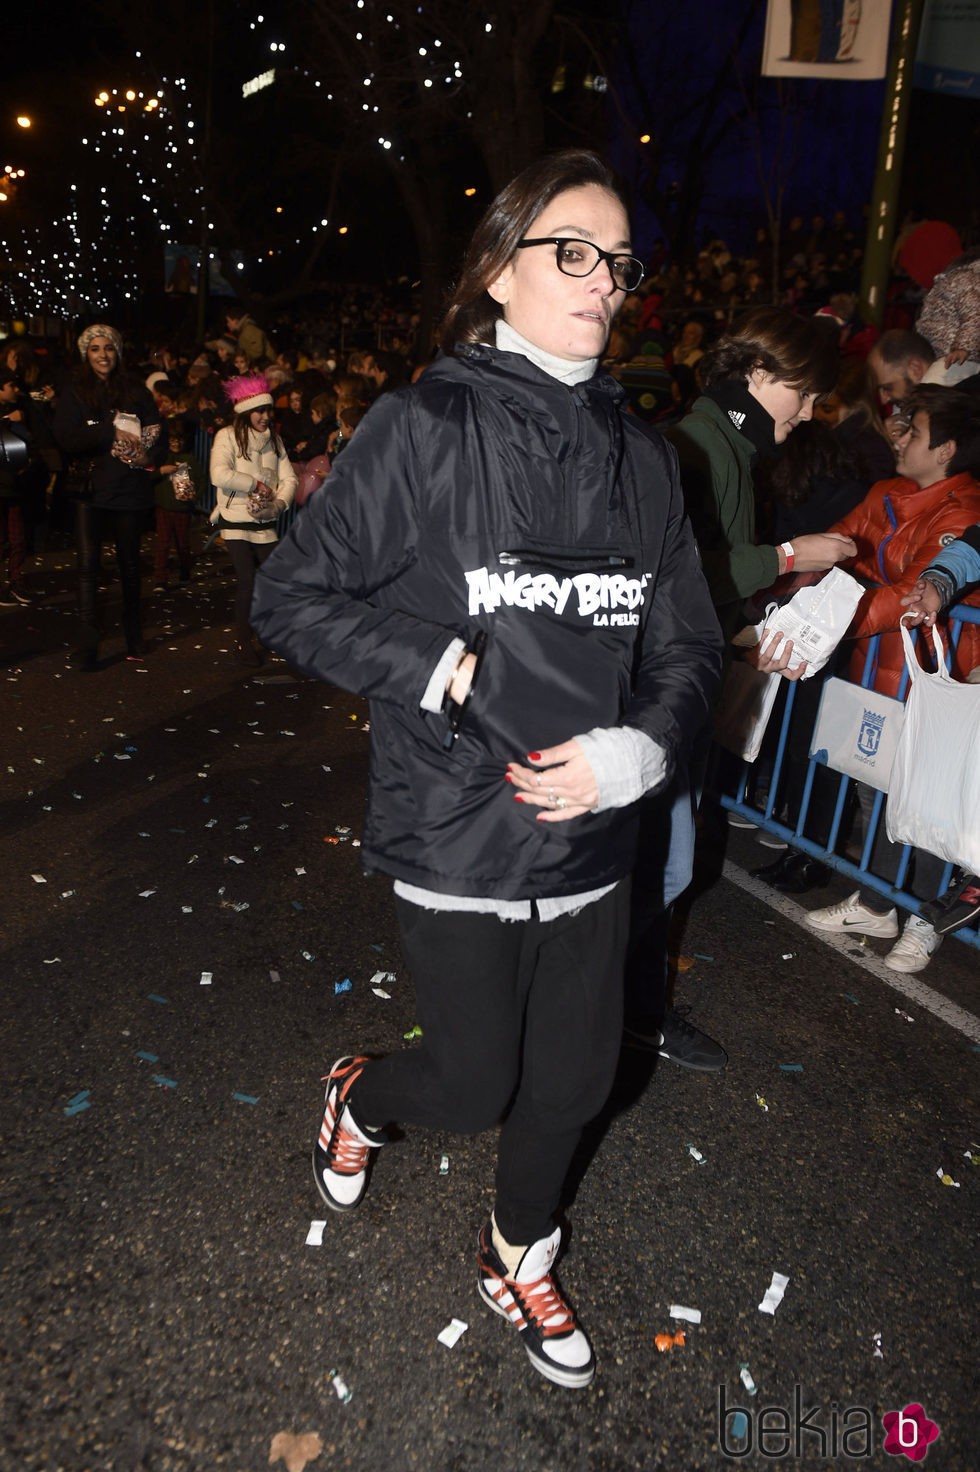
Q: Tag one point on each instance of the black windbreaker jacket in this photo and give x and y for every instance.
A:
(491, 496)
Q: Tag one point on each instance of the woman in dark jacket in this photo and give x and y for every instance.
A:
(504, 566)
(108, 424)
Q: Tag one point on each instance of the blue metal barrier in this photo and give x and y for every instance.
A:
(762, 816)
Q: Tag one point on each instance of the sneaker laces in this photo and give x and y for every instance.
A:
(543, 1303)
(677, 1018)
(346, 1154)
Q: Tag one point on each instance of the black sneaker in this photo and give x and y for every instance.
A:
(677, 1040)
(533, 1302)
(342, 1153)
(957, 907)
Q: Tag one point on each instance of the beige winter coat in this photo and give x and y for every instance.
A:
(235, 476)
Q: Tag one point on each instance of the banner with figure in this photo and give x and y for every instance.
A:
(948, 59)
(839, 40)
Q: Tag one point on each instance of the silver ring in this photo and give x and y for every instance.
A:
(561, 802)
(552, 800)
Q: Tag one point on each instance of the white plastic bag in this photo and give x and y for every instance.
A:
(743, 709)
(816, 619)
(934, 798)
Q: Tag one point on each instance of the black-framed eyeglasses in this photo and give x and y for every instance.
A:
(580, 258)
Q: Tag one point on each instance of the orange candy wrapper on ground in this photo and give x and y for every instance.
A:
(667, 1341)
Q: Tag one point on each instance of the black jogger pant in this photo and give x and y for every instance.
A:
(521, 1021)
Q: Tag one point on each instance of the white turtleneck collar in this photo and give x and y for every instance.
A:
(566, 370)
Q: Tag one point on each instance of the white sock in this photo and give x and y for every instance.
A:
(509, 1255)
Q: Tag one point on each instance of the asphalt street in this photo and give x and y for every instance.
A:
(189, 942)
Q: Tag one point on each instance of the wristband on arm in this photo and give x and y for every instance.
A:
(786, 548)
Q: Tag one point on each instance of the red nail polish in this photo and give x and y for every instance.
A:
(518, 797)
(508, 777)
(534, 756)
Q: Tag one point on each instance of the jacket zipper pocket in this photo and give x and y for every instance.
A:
(563, 561)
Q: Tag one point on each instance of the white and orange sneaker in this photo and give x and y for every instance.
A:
(533, 1302)
(342, 1153)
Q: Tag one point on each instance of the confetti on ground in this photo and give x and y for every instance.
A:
(148, 1057)
(78, 1102)
(206, 978)
(900, 1013)
(343, 986)
(300, 870)
(695, 1154)
(52, 961)
(295, 1451)
(187, 909)
(273, 975)
(145, 893)
(788, 955)
(762, 1103)
(339, 1386)
(850, 997)
(690, 1315)
(946, 1178)
(699, 956)
(452, 1333)
(380, 976)
(39, 879)
(296, 904)
(682, 963)
(791, 1067)
(664, 1342)
(246, 1098)
(740, 1426)
(379, 991)
(330, 839)
(876, 1341)
(314, 1237)
(164, 1082)
(234, 859)
(413, 1032)
(745, 1375)
(444, 1165)
(156, 997)
(308, 955)
(774, 1294)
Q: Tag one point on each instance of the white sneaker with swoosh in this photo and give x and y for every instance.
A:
(850, 915)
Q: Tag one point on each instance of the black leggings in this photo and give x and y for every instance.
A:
(519, 1019)
(93, 524)
(245, 558)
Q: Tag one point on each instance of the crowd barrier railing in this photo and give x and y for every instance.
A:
(758, 797)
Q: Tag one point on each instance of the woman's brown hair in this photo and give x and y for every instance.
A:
(472, 312)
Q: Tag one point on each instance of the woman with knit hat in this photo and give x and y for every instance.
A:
(108, 424)
(255, 482)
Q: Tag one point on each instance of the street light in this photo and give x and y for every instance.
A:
(23, 122)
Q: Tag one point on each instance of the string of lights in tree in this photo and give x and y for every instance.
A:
(398, 64)
(89, 256)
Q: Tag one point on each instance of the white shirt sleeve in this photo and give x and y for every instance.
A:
(435, 690)
(625, 762)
